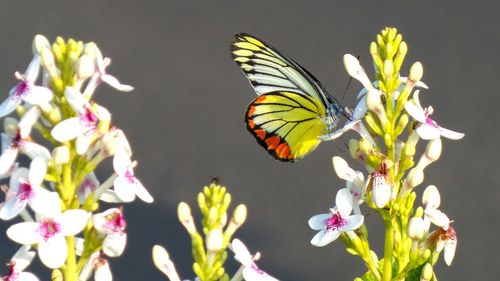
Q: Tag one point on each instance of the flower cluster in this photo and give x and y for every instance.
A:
(58, 196)
(389, 110)
(209, 252)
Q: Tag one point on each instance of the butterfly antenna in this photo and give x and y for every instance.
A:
(345, 91)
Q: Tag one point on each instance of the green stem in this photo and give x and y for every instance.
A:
(388, 250)
(70, 273)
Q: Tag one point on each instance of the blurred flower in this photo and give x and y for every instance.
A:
(126, 185)
(26, 90)
(49, 233)
(111, 223)
(163, 262)
(25, 188)
(339, 220)
(250, 270)
(99, 266)
(21, 259)
(427, 128)
(444, 239)
(85, 126)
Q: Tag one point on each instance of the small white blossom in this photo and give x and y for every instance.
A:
(97, 265)
(25, 189)
(111, 223)
(84, 127)
(21, 259)
(355, 181)
(17, 139)
(26, 90)
(250, 270)
(444, 239)
(49, 233)
(427, 128)
(339, 220)
(126, 185)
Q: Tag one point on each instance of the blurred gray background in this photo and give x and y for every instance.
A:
(185, 118)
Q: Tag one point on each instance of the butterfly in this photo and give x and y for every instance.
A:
(292, 110)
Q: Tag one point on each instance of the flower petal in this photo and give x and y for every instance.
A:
(83, 142)
(449, 250)
(449, 134)
(45, 202)
(69, 129)
(25, 233)
(110, 196)
(53, 252)
(38, 168)
(33, 69)
(34, 150)
(431, 199)
(27, 121)
(343, 202)
(353, 222)
(73, 221)
(438, 218)
(428, 132)
(27, 276)
(342, 169)
(323, 238)
(241, 252)
(360, 109)
(124, 189)
(142, 192)
(102, 271)
(7, 159)
(12, 207)
(318, 222)
(9, 104)
(113, 82)
(38, 95)
(114, 244)
(121, 162)
(76, 99)
(416, 112)
(256, 274)
(23, 258)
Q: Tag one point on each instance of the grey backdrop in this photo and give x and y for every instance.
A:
(185, 118)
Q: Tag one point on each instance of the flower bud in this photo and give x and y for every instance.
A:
(48, 62)
(427, 272)
(355, 70)
(60, 155)
(388, 68)
(415, 177)
(374, 104)
(431, 198)
(416, 72)
(416, 229)
(212, 216)
(57, 275)
(39, 42)
(403, 48)
(240, 214)
(185, 217)
(214, 240)
(381, 191)
(85, 67)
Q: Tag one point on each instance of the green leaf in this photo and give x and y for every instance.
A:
(414, 274)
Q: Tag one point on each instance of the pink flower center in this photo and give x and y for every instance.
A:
(21, 88)
(25, 191)
(129, 174)
(17, 141)
(335, 222)
(49, 228)
(12, 275)
(116, 222)
(431, 122)
(89, 117)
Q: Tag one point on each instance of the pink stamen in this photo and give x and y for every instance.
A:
(49, 228)
(89, 116)
(25, 191)
(21, 88)
(335, 222)
(116, 222)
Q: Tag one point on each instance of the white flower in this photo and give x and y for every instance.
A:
(100, 74)
(99, 266)
(21, 259)
(431, 201)
(87, 186)
(427, 128)
(163, 262)
(49, 233)
(17, 138)
(444, 239)
(339, 220)
(26, 90)
(83, 127)
(25, 188)
(380, 186)
(355, 181)
(126, 185)
(111, 223)
(251, 272)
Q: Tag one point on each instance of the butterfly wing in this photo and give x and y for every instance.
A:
(269, 70)
(287, 124)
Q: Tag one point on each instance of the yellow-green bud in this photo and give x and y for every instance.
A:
(85, 67)
(185, 217)
(240, 214)
(403, 48)
(402, 122)
(433, 150)
(60, 155)
(48, 62)
(388, 68)
(55, 115)
(427, 272)
(415, 177)
(212, 216)
(57, 275)
(416, 72)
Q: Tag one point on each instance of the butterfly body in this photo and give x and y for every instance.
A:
(292, 108)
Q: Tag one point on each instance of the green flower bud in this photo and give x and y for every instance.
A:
(39, 42)
(416, 72)
(388, 68)
(427, 272)
(416, 228)
(60, 155)
(214, 240)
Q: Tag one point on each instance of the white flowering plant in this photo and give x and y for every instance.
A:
(210, 248)
(64, 135)
(390, 121)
